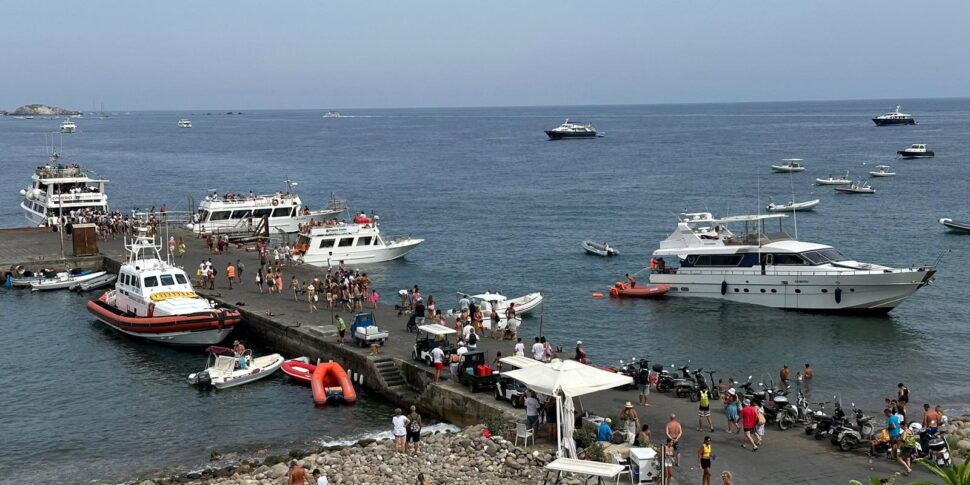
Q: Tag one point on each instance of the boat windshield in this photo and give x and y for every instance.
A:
(823, 256)
(167, 280)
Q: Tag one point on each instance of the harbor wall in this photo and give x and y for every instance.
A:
(456, 405)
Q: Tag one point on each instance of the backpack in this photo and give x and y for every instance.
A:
(415, 426)
(705, 401)
(472, 339)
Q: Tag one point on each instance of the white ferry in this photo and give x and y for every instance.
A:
(57, 189)
(356, 242)
(776, 270)
(234, 213)
(572, 129)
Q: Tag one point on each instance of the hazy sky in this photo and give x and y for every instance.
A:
(169, 54)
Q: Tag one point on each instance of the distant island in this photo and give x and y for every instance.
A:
(3, 113)
(43, 110)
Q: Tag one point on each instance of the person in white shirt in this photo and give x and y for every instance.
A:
(467, 330)
(438, 357)
(532, 407)
(400, 422)
(455, 359)
(538, 350)
(320, 479)
(519, 348)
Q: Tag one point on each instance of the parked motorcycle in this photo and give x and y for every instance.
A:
(665, 378)
(702, 385)
(933, 447)
(790, 415)
(848, 437)
(826, 425)
(685, 385)
(628, 369)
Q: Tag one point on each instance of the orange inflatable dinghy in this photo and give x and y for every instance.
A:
(621, 290)
(330, 381)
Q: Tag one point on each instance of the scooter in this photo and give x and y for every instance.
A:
(849, 437)
(825, 426)
(629, 370)
(789, 415)
(934, 447)
(685, 385)
(702, 385)
(665, 379)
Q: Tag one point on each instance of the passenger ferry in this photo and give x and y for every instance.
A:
(776, 270)
(57, 189)
(233, 213)
(357, 242)
(155, 301)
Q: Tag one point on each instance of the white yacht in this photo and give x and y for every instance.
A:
(776, 270)
(185, 123)
(571, 129)
(234, 213)
(57, 189)
(894, 118)
(68, 126)
(916, 150)
(355, 242)
(333, 114)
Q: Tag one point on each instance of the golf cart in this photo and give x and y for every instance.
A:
(475, 371)
(365, 331)
(509, 389)
(429, 337)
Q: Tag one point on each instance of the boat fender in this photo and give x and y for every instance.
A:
(723, 287)
(838, 295)
(614, 292)
(276, 202)
(597, 295)
(151, 309)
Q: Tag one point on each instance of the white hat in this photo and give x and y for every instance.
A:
(579, 342)
(732, 392)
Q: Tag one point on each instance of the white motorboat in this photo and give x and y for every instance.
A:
(68, 127)
(789, 165)
(523, 304)
(571, 129)
(835, 180)
(894, 118)
(792, 206)
(956, 226)
(598, 249)
(773, 269)
(882, 171)
(234, 213)
(356, 242)
(95, 283)
(22, 278)
(63, 282)
(57, 189)
(860, 187)
(333, 114)
(224, 370)
(184, 123)
(916, 150)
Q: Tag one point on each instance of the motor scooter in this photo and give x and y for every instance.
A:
(848, 437)
(685, 385)
(826, 425)
(702, 385)
(934, 447)
(665, 379)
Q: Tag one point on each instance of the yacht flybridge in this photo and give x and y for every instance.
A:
(57, 189)
(774, 269)
(234, 213)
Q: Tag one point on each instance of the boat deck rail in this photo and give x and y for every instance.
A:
(756, 271)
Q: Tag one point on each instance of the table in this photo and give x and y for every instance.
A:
(590, 469)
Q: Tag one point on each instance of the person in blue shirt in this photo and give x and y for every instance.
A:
(894, 427)
(605, 431)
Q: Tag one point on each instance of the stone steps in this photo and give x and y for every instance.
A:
(389, 372)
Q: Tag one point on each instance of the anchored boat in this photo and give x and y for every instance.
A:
(835, 180)
(356, 242)
(789, 165)
(792, 206)
(571, 129)
(236, 213)
(882, 171)
(860, 187)
(598, 249)
(224, 370)
(894, 118)
(57, 189)
(331, 382)
(956, 226)
(916, 150)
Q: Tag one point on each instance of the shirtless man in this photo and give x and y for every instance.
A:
(298, 475)
(674, 432)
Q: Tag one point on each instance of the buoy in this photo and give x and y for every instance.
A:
(723, 287)
(838, 295)
(597, 294)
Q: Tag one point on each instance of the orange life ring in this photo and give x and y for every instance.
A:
(276, 202)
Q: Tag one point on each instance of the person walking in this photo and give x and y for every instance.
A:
(414, 430)
(759, 429)
(341, 328)
(239, 269)
(259, 279)
(749, 419)
(519, 349)
(437, 356)
(704, 458)
(297, 475)
(538, 350)
(311, 296)
(731, 410)
(674, 433)
(704, 411)
(902, 397)
(181, 248)
(400, 423)
(631, 422)
(230, 273)
(668, 452)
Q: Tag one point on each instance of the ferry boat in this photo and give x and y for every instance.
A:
(894, 118)
(184, 123)
(775, 269)
(916, 150)
(155, 301)
(355, 242)
(57, 189)
(572, 130)
(68, 126)
(233, 213)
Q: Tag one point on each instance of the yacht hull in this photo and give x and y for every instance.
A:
(879, 122)
(204, 328)
(334, 256)
(866, 292)
(553, 135)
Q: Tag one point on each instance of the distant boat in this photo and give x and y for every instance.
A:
(333, 114)
(835, 180)
(598, 249)
(883, 171)
(790, 165)
(572, 130)
(792, 206)
(894, 118)
(68, 127)
(860, 187)
(185, 123)
(955, 226)
(916, 150)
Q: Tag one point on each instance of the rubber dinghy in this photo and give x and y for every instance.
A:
(598, 249)
(330, 381)
(299, 369)
(622, 290)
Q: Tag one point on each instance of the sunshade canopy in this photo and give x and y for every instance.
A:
(569, 377)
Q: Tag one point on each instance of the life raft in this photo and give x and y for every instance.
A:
(330, 381)
(622, 290)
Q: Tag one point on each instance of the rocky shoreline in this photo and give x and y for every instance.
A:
(958, 435)
(464, 457)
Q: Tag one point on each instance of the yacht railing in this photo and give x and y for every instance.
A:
(757, 271)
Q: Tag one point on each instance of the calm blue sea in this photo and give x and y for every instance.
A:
(500, 208)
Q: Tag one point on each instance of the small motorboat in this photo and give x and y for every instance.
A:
(599, 249)
(523, 304)
(860, 187)
(331, 382)
(916, 150)
(223, 370)
(835, 180)
(955, 226)
(622, 290)
(793, 206)
(95, 283)
(790, 165)
(63, 282)
(299, 369)
(883, 171)
(25, 277)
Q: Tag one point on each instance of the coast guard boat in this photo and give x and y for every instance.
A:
(329, 242)
(234, 213)
(155, 301)
(57, 189)
(775, 269)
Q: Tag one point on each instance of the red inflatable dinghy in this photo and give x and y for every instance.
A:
(621, 290)
(330, 381)
(299, 369)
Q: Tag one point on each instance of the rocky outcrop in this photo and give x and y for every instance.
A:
(3, 113)
(43, 110)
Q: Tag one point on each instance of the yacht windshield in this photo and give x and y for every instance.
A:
(823, 256)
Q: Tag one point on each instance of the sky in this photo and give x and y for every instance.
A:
(213, 54)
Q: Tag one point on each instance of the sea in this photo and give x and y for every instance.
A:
(500, 208)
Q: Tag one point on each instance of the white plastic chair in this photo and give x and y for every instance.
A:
(524, 432)
(627, 467)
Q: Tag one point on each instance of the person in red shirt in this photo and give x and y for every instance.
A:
(749, 418)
